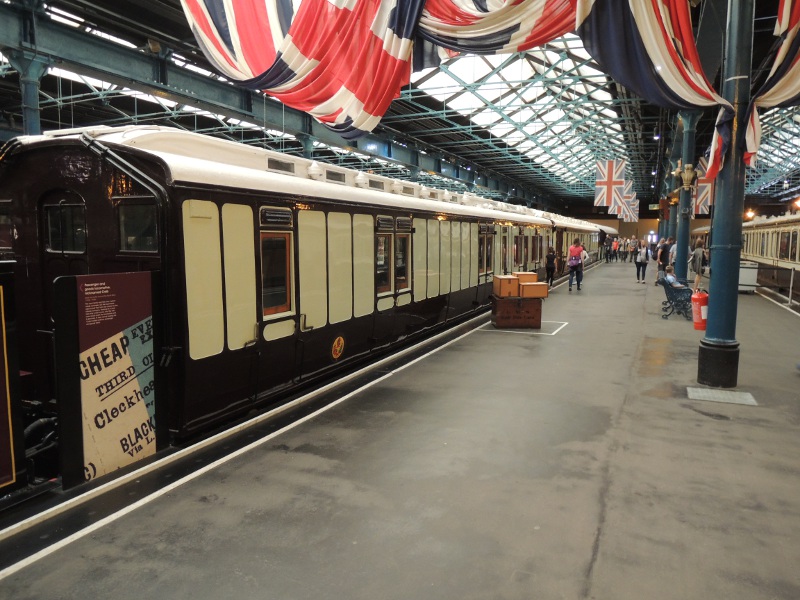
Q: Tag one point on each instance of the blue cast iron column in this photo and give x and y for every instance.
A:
(672, 228)
(689, 120)
(718, 360)
(31, 69)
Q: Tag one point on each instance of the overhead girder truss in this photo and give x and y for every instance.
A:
(547, 127)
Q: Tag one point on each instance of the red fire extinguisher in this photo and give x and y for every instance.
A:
(700, 310)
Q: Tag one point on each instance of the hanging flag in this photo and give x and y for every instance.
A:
(703, 196)
(631, 212)
(344, 61)
(618, 204)
(610, 185)
(782, 87)
(635, 209)
(649, 48)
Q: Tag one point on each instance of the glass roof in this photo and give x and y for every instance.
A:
(537, 104)
(548, 114)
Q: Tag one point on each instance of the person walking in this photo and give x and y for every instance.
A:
(641, 256)
(663, 257)
(550, 265)
(575, 263)
(697, 262)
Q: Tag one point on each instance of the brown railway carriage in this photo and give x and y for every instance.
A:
(774, 244)
(271, 270)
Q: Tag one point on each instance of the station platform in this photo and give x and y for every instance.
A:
(563, 463)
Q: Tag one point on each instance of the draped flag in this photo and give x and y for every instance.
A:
(649, 48)
(481, 27)
(703, 196)
(344, 61)
(782, 87)
(610, 185)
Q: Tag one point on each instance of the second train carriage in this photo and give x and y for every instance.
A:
(271, 269)
(772, 242)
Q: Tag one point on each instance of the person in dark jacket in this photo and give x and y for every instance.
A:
(550, 265)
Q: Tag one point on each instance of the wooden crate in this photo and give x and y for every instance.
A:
(517, 313)
(533, 290)
(505, 286)
(526, 277)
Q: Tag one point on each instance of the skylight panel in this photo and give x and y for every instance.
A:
(440, 86)
(601, 96)
(495, 60)
(465, 104)
(501, 129)
(486, 117)
(534, 127)
(553, 115)
(469, 68)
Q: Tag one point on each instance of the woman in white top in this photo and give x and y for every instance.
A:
(640, 257)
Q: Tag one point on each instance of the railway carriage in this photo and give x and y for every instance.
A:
(270, 270)
(772, 242)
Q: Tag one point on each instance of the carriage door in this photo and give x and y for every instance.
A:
(63, 230)
(560, 250)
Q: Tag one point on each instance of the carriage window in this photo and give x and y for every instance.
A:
(138, 231)
(783, 247)
(482, 254)
(518, 249)
(488, 245)
(401, 279)
(6, 231)
(383, 263)
(66, 228)
(275, 283)
(793, 249)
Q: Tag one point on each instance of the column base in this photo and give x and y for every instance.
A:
(718, 366)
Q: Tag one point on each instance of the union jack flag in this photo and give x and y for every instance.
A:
(703, 196)
(630, 213)
(635, 209)
(610, 186)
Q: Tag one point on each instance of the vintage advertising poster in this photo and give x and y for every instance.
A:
(115, 334)
(7, 466)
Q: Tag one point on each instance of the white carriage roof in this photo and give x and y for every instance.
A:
(194, 158)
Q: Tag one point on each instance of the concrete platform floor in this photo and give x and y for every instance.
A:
(508, 465)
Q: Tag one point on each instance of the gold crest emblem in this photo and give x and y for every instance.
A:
(338, 348)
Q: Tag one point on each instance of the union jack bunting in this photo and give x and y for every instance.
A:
(782, 87)
(631, 212)
(610, 184)
(481, 27)
(635, 209)
(649, 47)
(703, 196)
(344, 61)
(618, 205)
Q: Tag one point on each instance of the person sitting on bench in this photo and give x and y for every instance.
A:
(669, 276)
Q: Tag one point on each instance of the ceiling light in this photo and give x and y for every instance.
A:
(786, 184)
